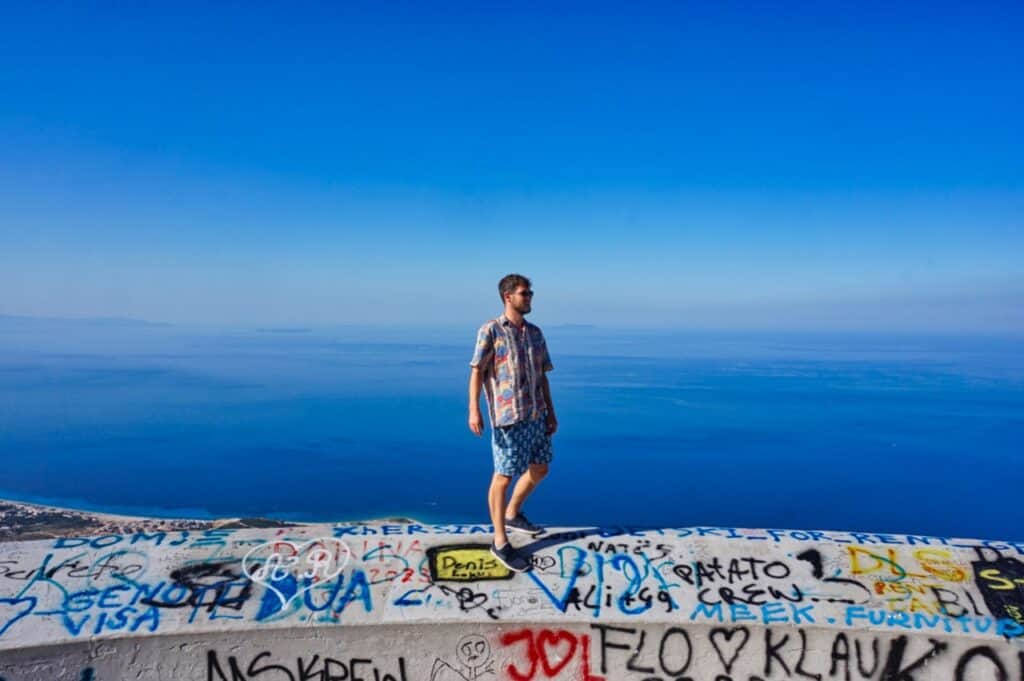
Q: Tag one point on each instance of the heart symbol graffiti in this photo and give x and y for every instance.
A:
(736, 647)
(549, 643)
(295, 567)
(13, 609)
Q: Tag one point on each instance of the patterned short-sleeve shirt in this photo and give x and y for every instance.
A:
(512, 362)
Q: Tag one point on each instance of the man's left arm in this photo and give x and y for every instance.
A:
(552, 421)
(545, 367)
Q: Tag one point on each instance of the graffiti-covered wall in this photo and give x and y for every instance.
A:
(408, 601)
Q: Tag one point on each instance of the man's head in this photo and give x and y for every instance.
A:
(515, 291)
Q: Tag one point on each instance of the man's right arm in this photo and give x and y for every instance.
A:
(483, 355)
(476, 421)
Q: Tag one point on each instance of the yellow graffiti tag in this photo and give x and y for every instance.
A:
(466, 564)
(929, 563)
(998, 582)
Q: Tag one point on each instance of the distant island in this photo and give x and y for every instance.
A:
(26, 320)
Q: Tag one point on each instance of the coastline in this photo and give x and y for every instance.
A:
(24, 521)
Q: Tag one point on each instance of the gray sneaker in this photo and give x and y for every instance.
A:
(510, 558)
(521, 524)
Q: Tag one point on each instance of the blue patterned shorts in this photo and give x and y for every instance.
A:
(517, 446)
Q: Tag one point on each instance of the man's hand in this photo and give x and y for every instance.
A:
(476, 423)
(552, 424)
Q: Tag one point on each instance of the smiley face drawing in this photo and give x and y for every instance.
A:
(473, 651)
(474, 655)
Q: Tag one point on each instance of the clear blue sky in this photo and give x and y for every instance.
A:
(742, 165)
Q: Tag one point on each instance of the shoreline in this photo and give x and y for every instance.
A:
(27, 521)
(24, 521)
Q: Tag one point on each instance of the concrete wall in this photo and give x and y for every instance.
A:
(406, 601)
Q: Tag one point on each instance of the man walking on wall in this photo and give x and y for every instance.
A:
(511, 362)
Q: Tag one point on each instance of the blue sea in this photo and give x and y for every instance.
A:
(875, 433)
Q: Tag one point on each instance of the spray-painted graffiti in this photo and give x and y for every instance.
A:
(235, 668)
(746, 579)
(465, 563)
(474, 661)
(390, 573)
(588, 652)
(671, 652)
(590, 582)
(1001, 582)
(546, 653)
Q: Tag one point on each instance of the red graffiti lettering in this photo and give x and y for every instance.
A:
(552, 650)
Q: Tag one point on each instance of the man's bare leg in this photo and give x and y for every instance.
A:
(524, 486)
(496, 497)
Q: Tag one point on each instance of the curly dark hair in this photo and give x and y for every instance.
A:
(509, 282)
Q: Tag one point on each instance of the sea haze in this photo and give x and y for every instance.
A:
(902, 434)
